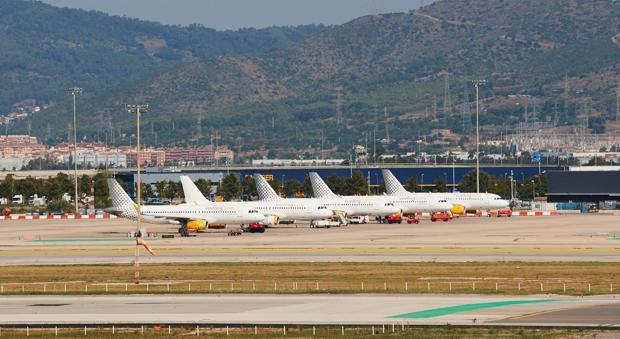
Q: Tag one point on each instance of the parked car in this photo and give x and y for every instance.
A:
(326, 223)
(504, 213)
(394, 219)
(441, 216)
(358, 220)
(255, 228)
(412, 219)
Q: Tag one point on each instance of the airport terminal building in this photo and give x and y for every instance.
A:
(585, 184)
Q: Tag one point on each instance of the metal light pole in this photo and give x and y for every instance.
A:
(477, 84)
(422, 182)
(138, 109)
(74, 91)
(533, 192)
(453, 178)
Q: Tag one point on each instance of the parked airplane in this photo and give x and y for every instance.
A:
(460, 202)
(272, 210)
(188, 215)
(349, 205)
(404, 204)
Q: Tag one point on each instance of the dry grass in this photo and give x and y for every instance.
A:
(565, 271)
(508, 277)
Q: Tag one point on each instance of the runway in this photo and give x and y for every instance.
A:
(312, 310)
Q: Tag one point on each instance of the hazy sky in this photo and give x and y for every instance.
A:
(233, 14)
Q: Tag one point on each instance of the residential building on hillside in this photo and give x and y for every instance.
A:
(194, 156)
(21, 146)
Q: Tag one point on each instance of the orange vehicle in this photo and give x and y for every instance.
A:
(504, 213)
(441, 216)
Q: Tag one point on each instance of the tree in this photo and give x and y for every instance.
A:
(249, 186)
(59, 206)
(29, 187)
(337, 184)
(291, 187)
(230, 188)
(411, 184)
(146, 192)
(440, 184)
(204, 186)
(275, 184)
(56, 187)
(468, 183)
(539, 185)
(357, 184)
(174, 189)
(306, 187)
(7, 188)
(162, 189)
(84, 184)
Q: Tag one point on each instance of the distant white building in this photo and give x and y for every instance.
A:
(95, 159)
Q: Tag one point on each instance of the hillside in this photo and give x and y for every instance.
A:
(45, 49)
(285, 98)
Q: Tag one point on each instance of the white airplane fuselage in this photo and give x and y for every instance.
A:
(361, 205)
(470, 201)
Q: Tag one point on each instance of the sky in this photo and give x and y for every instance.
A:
(234, 14)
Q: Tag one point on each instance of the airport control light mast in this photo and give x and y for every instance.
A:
(477, 84)
(138, 109)
(74, 91)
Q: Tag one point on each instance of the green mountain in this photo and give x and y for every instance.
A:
(46, 48)
(286, 100)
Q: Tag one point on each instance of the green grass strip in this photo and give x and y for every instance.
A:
(438, 312)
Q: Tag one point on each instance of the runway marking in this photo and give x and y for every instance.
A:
(86, 240)
(438, 312)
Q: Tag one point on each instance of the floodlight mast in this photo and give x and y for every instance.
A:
(75, 91)
(138, 109)
(477, 83)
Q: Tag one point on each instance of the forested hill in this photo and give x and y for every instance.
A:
(45, 48)
(285, 99)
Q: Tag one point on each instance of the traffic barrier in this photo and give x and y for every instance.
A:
(58, 217)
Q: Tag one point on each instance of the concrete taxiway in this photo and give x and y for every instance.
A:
(313, 309)
(555, 238)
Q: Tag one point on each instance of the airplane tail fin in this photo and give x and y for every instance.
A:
(122, 205)
(392, 185)
(192, 193)
(319, 187)
(265, 191)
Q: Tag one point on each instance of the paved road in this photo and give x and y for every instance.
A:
(95, 258)
(312, 309)
(563, 238)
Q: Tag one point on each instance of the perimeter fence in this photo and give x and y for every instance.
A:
(479, 286)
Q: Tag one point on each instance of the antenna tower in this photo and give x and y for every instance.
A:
(466, 109)
(339, 105)
(447, 98)
(387, 124)
(618, 107)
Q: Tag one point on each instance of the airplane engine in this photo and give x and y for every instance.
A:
(198, 225)
(458, 210)
(270, 220)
